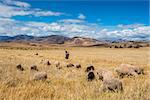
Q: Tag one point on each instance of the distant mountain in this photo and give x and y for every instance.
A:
(16, 38)
(52, 39)
(66, 41)
(81, 41)
(4, 38)
(22, 37)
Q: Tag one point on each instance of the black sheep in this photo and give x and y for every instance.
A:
(19, 67)
(34, 67)
(90, 76)
(66, 55)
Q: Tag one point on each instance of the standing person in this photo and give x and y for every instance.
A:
(66, 55)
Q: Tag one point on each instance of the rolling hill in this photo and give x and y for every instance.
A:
(52, 39)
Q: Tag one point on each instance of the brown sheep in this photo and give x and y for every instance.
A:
(128, 70)
(89, 68)
(137, 69)
(39, 76)
(112, 84)
(104, 74)
(41, 61)
(19, 67)
(57, 63)
(70, 65)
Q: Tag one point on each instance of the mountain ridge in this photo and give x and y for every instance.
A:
(52, 39)
(58, 39)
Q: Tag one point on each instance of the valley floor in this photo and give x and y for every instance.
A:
(71, 83)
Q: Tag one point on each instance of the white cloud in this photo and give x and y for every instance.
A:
(9, 8)
(81, 16)
(130, 26)
(138, 33)
(47, 13)
(71, 21)
(13, 27)
(16, 3)
(8, 11)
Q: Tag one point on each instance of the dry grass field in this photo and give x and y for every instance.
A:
(70, 83)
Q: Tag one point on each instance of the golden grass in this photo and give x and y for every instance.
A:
(70, 83)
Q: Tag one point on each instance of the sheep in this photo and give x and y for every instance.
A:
(39, 76)
(90, 76)
(104, 74)
(66, 55)
(112, 84)
(19, 67)
(77, 65)
(137, 69)
(116, 46)
(89, 68)
(34, 67)
(36, 54)
(128, 70)
(57, 63)
(47, 62)
(70, 65)
(125, 71)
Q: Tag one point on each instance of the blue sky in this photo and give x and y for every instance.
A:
(104, 12)
(105, 19)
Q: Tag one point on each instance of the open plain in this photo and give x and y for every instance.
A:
(70, 83)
